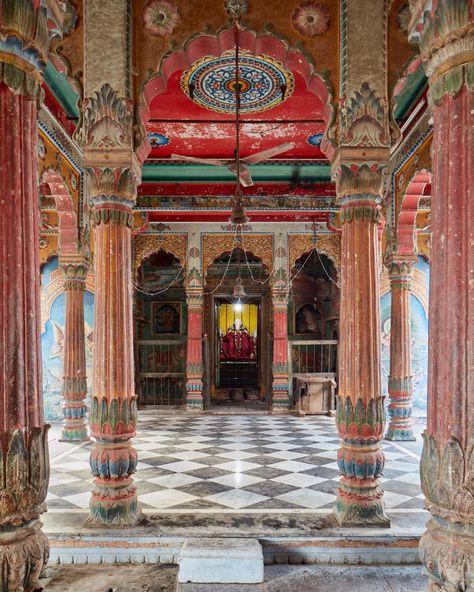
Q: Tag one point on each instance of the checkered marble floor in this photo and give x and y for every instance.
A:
(235, 463)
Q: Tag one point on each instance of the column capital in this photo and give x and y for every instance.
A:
(444, 32)
(113, 192)
(360, 207)
(107, 126)
(74, 272)
(194, 298)
(400, 268)
(24, 46)
(360, 177)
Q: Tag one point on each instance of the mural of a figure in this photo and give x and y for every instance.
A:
(52, 339)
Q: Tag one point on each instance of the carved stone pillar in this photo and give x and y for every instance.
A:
(280, 387)
(74, 389)
(113, 413)
(194, 358)
(107, 138)
(445, 33)
(24, 460)
(399, 382)
(360, 413)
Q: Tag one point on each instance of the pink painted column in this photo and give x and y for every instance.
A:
(74, 389)
(400, 380)
(446, 36)
(194, 357)
(280, 387)
(360, 415)
(24, 459)
(113, 412)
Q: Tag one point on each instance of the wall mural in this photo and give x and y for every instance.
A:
(52, 339)
(419, 341)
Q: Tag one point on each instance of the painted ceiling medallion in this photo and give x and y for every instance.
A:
(310, 19)
(161, 17)
(262, 79)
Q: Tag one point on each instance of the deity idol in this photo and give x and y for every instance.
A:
(237, 344)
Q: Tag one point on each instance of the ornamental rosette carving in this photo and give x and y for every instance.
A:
(24, 476)
(160, 18)
(106, 121)
(310, 19)
(364, 120)
(447, 479)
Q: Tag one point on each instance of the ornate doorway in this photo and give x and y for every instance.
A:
(239, 331)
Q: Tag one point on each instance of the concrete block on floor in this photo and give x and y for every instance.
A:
(221, 561)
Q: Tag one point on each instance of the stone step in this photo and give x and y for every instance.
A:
(221, 561)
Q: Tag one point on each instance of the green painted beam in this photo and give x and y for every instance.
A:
(415, 86)
(62, 90)
(261, 173)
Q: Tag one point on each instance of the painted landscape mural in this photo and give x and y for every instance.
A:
(52, 338)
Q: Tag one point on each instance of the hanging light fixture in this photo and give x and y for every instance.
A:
(237, 216)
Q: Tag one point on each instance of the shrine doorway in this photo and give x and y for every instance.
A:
(238, 333)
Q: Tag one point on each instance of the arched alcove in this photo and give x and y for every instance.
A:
(160, 330)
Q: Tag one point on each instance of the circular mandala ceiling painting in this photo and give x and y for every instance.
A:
(264, 83)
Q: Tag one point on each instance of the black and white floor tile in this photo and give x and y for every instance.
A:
(235, 463)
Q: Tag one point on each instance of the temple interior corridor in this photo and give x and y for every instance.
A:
(236, 295)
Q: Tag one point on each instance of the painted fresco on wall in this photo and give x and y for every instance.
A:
(419, 344)
(52, 339)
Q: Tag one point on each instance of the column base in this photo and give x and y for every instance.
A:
(447, 552)
(400, 434)
(114, 504)
(361, 513)
(68, 435)
(24, 553)
(194, 402)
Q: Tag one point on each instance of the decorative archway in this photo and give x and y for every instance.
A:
(253, 46)
(216, 244)
(419, 186)
(147, 244)
(52, 184)
(328, 244)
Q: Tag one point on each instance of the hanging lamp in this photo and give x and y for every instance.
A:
(237, 216)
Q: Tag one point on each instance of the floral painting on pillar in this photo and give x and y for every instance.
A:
(419, 337)
(52, 338)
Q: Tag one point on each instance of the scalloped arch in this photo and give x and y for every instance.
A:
(249, 41)
(419, 186)
(53, 184)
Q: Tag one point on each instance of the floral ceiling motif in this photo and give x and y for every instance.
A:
(235, 8)
(161, 17)
(310, 19)
(261, 80)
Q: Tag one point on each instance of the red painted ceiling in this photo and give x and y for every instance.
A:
(196, 131)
